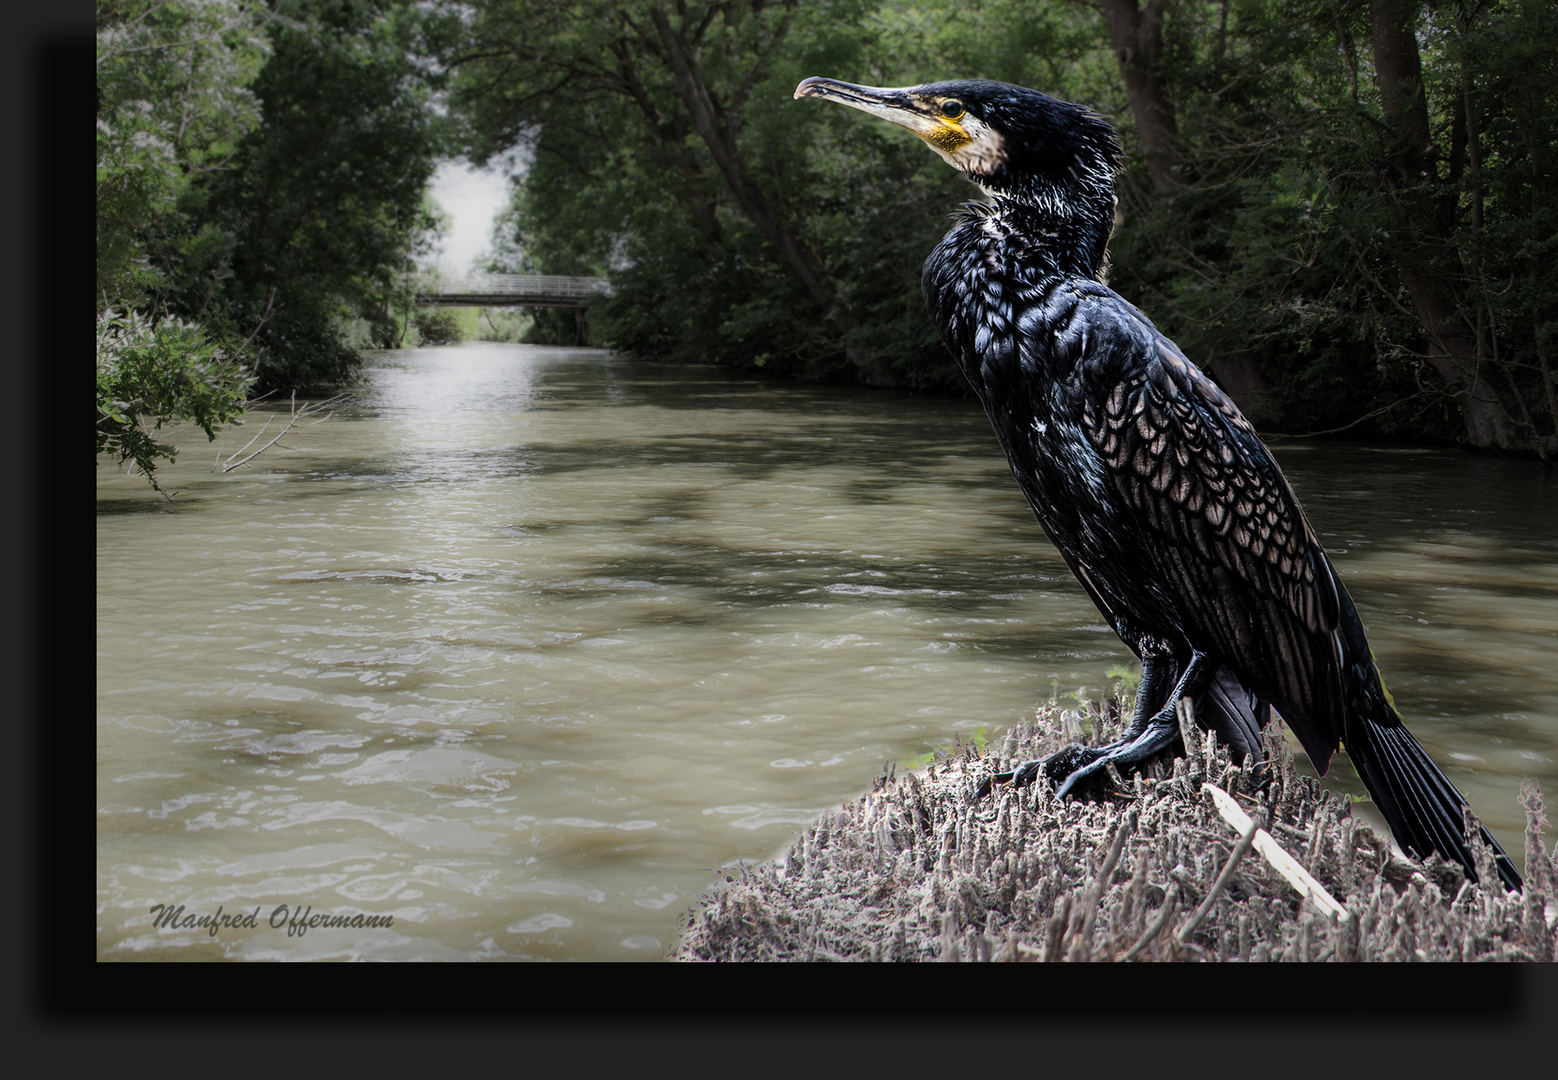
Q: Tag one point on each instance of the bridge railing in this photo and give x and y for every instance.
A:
(516, 289)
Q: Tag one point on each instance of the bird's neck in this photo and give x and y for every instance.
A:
(1057, 231)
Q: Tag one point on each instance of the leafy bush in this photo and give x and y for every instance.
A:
(149, 374)
(439, 326)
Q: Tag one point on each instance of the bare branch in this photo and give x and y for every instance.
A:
(311, 408)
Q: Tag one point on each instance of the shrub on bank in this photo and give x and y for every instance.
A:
(149, 373)
(439, 326)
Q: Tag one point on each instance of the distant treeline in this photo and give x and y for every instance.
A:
(1344, 210)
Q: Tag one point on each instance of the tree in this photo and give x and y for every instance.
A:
(1429, 262)
(738, 227)
(323, 210)
(173, 103)
(1500, 62)
(1136, 33)
(1333, 230)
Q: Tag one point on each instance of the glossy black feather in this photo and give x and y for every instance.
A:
(1158, 493)
(1143, 473)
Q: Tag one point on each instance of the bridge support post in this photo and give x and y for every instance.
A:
(581, 327)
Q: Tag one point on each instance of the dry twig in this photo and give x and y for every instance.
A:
(310, 408)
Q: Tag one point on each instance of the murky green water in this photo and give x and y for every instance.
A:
(524, 644)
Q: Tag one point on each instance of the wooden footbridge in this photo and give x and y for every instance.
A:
(512, 290)
(507, 290)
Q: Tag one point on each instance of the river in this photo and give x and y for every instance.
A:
(524, 645)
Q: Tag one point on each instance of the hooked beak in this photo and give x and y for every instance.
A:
(901, 106)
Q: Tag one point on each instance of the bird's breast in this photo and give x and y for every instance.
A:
(1009, 323)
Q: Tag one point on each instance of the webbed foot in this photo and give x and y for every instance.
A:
(1161, 734)
(1071, 768)
(1056, 767)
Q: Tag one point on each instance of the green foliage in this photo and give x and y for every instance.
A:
(149, 374)
(1281, 250)
(503, 324)
(439, 326)
(1285, 247)
(325, 206)
(173, 102)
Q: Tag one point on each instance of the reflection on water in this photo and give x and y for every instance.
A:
(525, 644)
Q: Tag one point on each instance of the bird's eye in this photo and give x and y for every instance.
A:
(952, 109)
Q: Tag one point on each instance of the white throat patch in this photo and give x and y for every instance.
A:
(981, 154)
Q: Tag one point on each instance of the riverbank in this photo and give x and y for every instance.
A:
(919, 869)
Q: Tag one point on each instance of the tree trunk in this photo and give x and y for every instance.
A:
(1428, 261)
(1137, 36)
(720, 138)
(695, 189)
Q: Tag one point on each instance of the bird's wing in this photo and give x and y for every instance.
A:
(1216, 516)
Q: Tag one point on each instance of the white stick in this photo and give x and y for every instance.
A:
(1284, 863)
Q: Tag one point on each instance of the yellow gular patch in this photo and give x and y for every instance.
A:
(949, 137)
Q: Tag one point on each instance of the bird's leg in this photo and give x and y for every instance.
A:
(1158, 735)
(1156, 672)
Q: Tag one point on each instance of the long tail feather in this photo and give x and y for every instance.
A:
(1425, 811)
(1423, 808)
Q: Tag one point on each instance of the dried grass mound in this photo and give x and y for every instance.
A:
(919, 869)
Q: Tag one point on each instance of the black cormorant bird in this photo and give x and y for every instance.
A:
(1157, 492)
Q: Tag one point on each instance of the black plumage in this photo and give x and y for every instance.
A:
(1159, 495)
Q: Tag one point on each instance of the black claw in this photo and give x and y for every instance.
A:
(1021, 776)
(988, 783)
(1027, 773)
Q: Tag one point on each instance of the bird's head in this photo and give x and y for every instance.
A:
(1010, 140)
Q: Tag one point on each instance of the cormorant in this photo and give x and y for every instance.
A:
(1159, 495)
